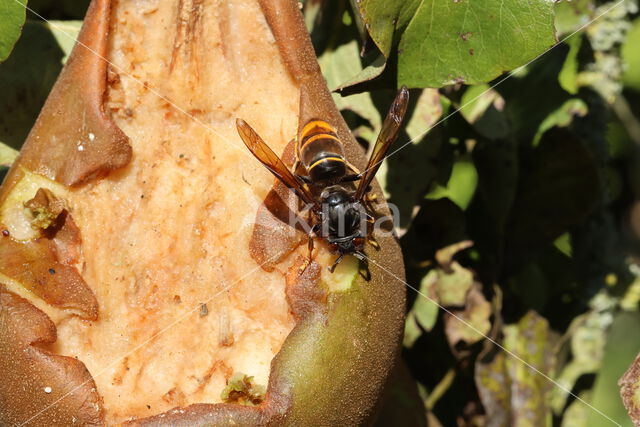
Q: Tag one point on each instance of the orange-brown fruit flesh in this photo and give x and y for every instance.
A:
(162, 209)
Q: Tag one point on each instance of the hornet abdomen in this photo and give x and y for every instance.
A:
(321, 152)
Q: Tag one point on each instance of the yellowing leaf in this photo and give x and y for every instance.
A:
(511, 391)
(7, 155)
(453, 286)
(471, 324)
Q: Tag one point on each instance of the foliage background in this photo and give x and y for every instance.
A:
(517, 183)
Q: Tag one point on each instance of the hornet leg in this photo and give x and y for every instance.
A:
(372, 240)
(351, 177)
(336, 262)
(353, 168)
(364, 272)
(304, 178)
(311, 235)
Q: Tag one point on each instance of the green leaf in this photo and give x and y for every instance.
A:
(65, 33)
(571, 15)
(620, 351)
(458, 41)
(472, 42)
(577, 412)
(461, 186)
(411, 331)
(340, 63)
(483, 107)
(384, 18)
(475, 101)
(368, 73)
(631, 57)
(425, 309)
(339, 53)
(563, 244)
(424, 313)
(562, 117)
(27, 76)
(12, 16)
(568, 76)
(7, 155)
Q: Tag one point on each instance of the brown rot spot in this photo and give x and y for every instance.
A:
(242, 390)
(471, 52)
(112, 76)
(45, 208)
(203, 310)
(465, 36)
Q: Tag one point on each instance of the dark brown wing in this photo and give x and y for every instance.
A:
(388, 134)
(267, 157)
